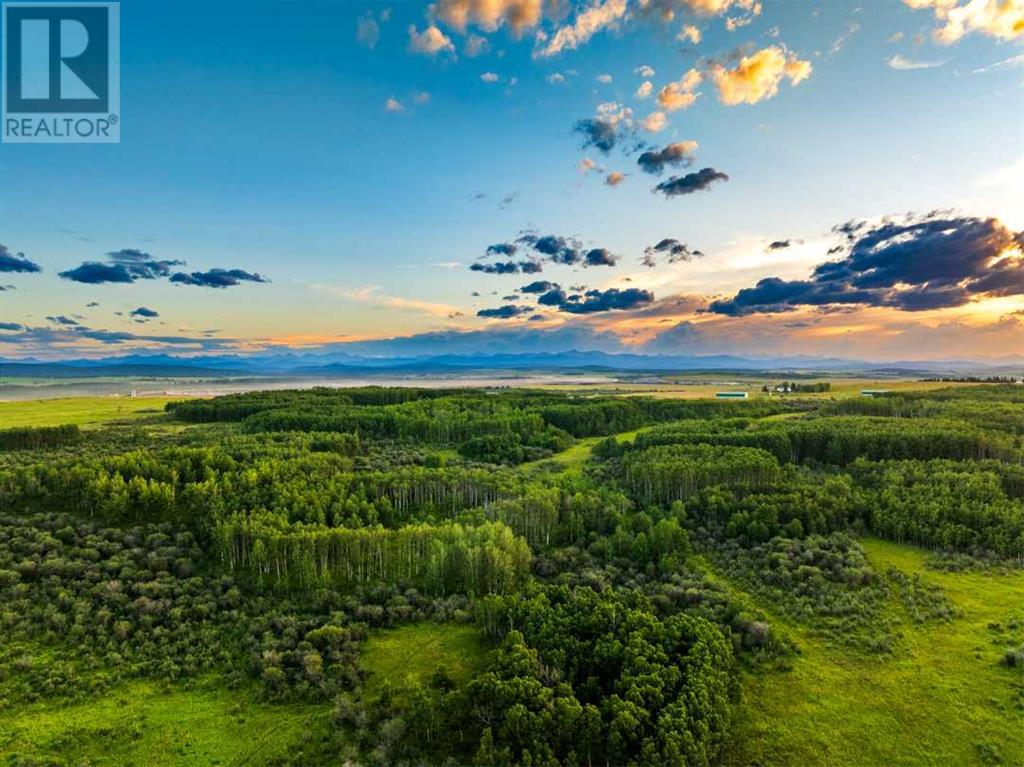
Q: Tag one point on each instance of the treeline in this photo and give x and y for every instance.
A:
(675, 472)
(945, 504)
(39, 437)
(996, 415)
(439, 559)
(841, 440)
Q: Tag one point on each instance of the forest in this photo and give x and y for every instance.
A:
(642, 579)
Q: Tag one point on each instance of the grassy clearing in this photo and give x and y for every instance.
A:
(412, 653)
(146, 724)
(82, 411)
(941, 698)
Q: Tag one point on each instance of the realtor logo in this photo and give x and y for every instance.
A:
(61, 73)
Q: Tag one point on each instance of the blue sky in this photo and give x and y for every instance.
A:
(263, 141)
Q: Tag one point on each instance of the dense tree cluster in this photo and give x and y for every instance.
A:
(35, 438)
(584, 677)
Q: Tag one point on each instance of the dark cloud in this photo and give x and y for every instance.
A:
(540, 286)
(142, 311)
(122, 266)
(607, 300)
(913, 264)
(11, 326)
(7, 287)
(600, 257)
(95, 273)
(691, 182)
(16, 262)
(535, 317)
(92, 305)
(593, 301)
(502, 249)
(554, 297)
(217, 278)
(781, 244)
(531, 266)
(140, 264)
(561, 250)
(654, 161)
(505, 267)
(60, 319)
(599, 133)
(506, 312)
(673, 250)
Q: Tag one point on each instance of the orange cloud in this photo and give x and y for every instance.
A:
(1001, 19)
(430, 41)
(680, 94)
(757, 77)
(519, 15)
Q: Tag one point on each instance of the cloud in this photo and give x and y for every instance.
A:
(502, 249)
(587, 23)
(490, 15)
(506, 312)
(613, 299)
(393, 105)
(781, 244)
(540, 286)
(666, 10)
(911, 264)
(489, 77)
(430, 41)
(679, 154)
(554, 297)
(673, 250)
(420, 97)
(556, 78)
(904, 64)
(475, 46)
(122, 266)
(614, 178)
(46, 339)
(60, 319)
(142, 311)
(757, 77)
(604, 78)
(95, 273)
(499, 267)
(7, 287)
(644, 71)
(644, 90)
(691, 182)
(217, 278)
(655, 122)
(680, 94)
(1001, 19)
(11, 262)
(560, 250)
(600, 257)
(367, 30)
(586, 165)
(11, 326)
(689, 33)
(1010, 63)
(605, 130)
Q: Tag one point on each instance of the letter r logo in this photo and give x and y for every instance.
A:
(57, 58)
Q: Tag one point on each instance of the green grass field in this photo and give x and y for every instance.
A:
(81, 411)
(413, 653)
(941, 699)
(143, 724)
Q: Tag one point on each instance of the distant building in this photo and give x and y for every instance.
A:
(731, 395)
(874, 392)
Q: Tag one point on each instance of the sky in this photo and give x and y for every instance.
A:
(655, 176)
